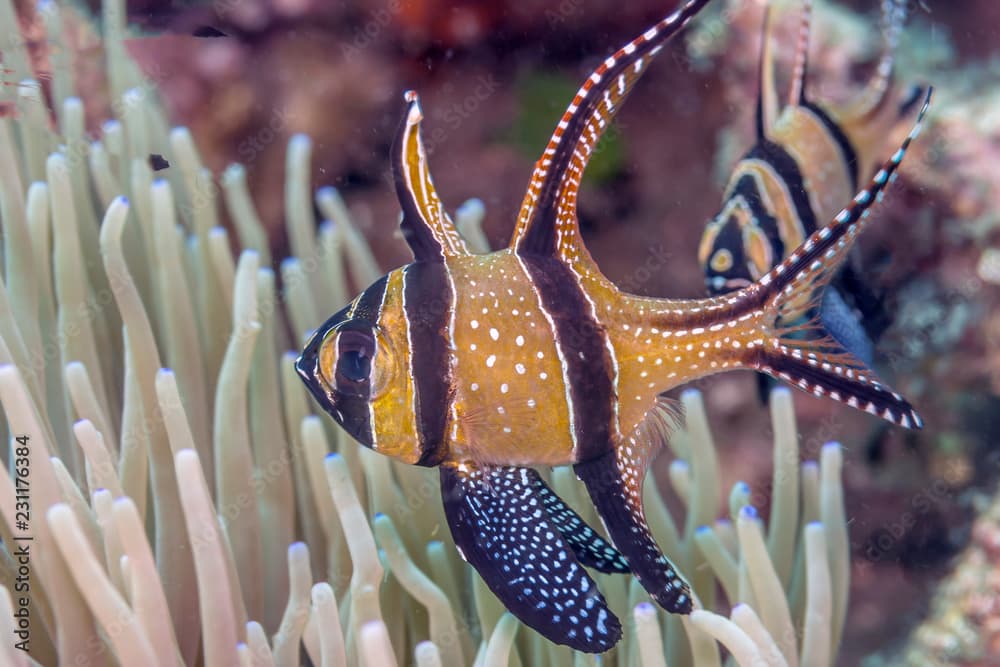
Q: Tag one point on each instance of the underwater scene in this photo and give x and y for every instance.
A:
(412, 332)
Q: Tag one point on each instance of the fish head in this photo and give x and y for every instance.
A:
(734, 249)
(352, 367)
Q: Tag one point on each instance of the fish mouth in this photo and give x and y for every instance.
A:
(307, 363)
(307, 366)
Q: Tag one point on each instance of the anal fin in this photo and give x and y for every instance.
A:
(502, 528)
(614, 482)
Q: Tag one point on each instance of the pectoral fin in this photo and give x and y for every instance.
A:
(845, 327)
(614, 481)
(501, 525)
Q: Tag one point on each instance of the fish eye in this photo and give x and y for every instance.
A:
(722, 260)
(354, 357)
(356, 360)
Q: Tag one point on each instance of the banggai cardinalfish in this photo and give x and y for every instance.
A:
(488, 365)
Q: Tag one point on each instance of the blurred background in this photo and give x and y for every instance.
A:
(245, 75)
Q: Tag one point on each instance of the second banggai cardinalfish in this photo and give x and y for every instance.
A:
(808, 158)
(488, 366)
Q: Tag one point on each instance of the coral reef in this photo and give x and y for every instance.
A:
(177, 473)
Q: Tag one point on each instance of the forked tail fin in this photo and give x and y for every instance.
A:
(807, 356)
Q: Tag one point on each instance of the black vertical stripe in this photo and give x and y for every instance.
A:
(747, 187)
(428, 299)
(583, 344)
(357, 410)
(368, 304)
(352, 412)
(850, 156)
(788, 170)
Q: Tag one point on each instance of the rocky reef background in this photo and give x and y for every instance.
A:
(494, 77)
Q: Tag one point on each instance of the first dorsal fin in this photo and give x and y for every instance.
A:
(547, 223)
(797, 93)
(767, 96)
(426, 226)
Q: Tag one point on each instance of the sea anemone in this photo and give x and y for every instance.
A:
(167, 470)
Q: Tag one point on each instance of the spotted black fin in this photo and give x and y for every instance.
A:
(501, 528)
(590, 548)
(547, 223)
(426, 226)
(614, 482)
(767, 96)
(800, 70)
(817, 363)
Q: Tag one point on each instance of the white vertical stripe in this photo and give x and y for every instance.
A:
(378, 323)
(409, 357)
(452, 357)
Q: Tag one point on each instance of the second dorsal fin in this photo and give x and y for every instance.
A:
(426, 226)
(767, 96)
(797, 93)
(879, 86)
(547, 223)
